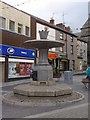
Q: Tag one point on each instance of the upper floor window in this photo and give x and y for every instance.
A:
(61, 36)
(73, 64)
(81, 52)
(71, 38)
(71, 49)
(84, 51)
(26, 30)
(11, 25)
(2, 22)
(20, 27)
(81, 43)
(85, 44)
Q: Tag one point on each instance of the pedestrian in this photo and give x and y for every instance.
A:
(31, 73)
(88, 72)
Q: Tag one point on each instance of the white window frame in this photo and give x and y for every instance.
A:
(20, 27)
(11, 25)
(2, 22)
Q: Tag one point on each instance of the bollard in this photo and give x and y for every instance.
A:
(68, 77)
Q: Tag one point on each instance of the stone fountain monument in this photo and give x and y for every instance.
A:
(43, 68)
(44, 91)
(45, 85)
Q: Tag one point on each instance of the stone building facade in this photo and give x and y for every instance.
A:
(85, 35)
(69, 49)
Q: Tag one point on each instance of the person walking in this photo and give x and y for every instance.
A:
(88, 72)
(31, 73)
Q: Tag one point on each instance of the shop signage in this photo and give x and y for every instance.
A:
(14, 51)
(52, 55)
(63, 56)
(64, 60)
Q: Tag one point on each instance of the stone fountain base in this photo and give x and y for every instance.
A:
(44, 72)
(43, 90)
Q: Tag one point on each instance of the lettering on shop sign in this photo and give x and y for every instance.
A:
(24, 52)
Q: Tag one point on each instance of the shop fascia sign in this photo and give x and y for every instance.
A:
(63, 55)
(52, 55)
(14, 51)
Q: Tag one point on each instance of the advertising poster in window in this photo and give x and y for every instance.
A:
(22, 69)
(28, 67)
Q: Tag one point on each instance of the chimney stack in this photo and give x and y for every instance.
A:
(52, 20)
(68, 29)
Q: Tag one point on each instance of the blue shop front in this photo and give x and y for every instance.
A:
(15, 62)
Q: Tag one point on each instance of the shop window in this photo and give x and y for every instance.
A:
(12, 69)
(11, 25)
(2, 22)
(27, 31)
(20, 27)
(19, 69)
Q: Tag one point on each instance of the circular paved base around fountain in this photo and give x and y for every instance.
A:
(21, 100)
(31, 95)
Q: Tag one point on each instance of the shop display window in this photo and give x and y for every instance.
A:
(19, 69)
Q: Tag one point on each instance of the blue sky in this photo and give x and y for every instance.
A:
(75, 13)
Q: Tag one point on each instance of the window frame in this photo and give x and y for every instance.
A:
(20, 28)
(73, 64)
(11, 25)
(71, 37)
(72, 49)
(27, 30)
(61, 36)
(2, 20)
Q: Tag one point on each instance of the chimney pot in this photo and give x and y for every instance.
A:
(68, 29)
(52, 21)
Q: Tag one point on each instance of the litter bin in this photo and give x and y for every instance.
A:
(68, 77)
(34, 76)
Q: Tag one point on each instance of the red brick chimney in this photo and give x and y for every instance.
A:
(52, 21)
(68, 29)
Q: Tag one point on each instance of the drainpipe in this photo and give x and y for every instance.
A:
(66, 51)
(66, 47)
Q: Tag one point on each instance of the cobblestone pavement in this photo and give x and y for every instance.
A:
(13, 111)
